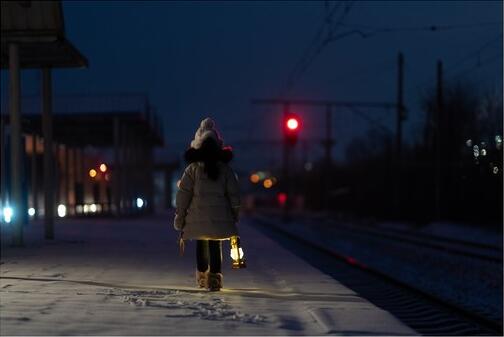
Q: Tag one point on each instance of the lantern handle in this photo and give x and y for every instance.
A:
(181, 243)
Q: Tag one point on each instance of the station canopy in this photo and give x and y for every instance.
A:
(88, 120)
(37, 27)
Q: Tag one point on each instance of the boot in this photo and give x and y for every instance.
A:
(214, 281)
(202, 278)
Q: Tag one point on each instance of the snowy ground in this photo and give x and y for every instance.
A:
(124, 277)
(466, 281)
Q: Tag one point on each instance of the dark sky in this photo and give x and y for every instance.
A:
(198, 59)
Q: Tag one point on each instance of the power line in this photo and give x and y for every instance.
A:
(479, 64)
(313, 50)
(327, 40)
(313, 44)
(476, 53)
(373, 30)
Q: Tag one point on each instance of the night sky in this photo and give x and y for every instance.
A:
(198, 59)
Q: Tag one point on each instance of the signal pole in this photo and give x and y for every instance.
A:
(328, 143)
(438, 139)
(285, 170)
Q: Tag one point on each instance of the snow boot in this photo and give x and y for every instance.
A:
(202, 278)
(214, 281)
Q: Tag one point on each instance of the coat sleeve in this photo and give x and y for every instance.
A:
(233, 193)
(183, 198)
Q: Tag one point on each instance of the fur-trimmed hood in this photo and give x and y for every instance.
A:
(193, 155)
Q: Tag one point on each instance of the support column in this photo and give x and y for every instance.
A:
(16, 161)
(48, 154)
(71, 180)
(79, 177)
(66, 194)
(116, 172)
(3, 168)
(127, 188)
(34, 187)
(150, 182)
(124, 170)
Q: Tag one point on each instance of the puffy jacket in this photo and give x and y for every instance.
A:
(207, 209)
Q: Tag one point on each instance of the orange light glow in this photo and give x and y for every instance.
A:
(92, 173)
(254, 178)
(268, 183)
(292, 123)
(103, 168)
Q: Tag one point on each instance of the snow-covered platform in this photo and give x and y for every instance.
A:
(125, 277)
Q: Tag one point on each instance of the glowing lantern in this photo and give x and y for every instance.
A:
(103, 168)
(92, 173)
(237, 253)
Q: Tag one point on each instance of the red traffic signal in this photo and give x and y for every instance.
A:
(292, 124)
(282, 198)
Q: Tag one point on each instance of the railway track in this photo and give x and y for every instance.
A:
(423, 312)
(459, 247)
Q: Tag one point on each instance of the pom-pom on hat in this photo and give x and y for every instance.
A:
(206, 129)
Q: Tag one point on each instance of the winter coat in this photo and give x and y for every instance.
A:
(207, 209)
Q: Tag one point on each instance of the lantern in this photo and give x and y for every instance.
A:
(237, 253)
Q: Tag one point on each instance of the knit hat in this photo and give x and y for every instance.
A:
(206, 129)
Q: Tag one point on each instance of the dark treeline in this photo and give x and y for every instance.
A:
(454, 172)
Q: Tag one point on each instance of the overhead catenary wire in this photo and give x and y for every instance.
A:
(324, 42)
(373, 30)
(475, 53)
(364, 31)
(313, 44)
(480, 63)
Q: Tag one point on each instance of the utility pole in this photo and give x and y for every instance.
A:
(328, 143)
(400, 118)
(438, 136)
(400, 105)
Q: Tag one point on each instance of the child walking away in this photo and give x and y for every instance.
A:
(208, 202)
